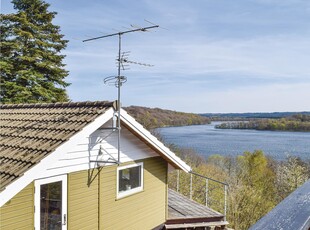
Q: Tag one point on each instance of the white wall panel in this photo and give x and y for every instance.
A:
(80, 155)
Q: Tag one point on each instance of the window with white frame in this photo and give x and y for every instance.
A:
(129, 179)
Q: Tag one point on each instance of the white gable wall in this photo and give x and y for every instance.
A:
(79, 156)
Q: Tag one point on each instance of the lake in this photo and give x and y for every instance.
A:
(206, 140)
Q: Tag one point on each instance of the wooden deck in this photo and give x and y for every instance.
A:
(184, 213)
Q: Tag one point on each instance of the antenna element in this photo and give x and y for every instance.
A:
(119, 80)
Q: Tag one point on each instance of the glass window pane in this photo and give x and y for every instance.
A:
(129, 178)
(51, 204)
(135, 177)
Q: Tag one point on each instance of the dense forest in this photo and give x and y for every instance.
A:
(154, 117)
(298, 122)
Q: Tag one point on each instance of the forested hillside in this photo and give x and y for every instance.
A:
(235, 116)
(298, 122)
(154, 117)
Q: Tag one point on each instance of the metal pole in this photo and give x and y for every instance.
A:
(207, 183)
(119, 55)
(225, 202)
(191, 188)
(178, 180)
(119, 100)
(123, 32)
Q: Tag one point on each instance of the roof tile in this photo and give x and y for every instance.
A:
(29, 132)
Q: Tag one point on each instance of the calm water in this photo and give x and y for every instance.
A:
(206, 140)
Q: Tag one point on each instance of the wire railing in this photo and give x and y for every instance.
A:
(202, 189)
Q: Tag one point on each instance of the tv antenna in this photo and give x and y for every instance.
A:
(122, 61)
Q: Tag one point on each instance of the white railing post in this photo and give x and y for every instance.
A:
(191, 188)
(207, 189)
(178, 179)
(225, 202)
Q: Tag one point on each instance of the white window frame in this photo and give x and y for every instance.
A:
(131, 191)
(37, 197)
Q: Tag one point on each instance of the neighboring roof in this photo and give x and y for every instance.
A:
(186, 213)
(30, 132)
(291, 213)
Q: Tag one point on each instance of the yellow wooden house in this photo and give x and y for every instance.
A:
(62, 167)
(58, 169)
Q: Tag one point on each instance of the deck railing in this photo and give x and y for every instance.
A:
(205, 190)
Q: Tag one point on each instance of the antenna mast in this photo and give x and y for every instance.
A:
(119, 80)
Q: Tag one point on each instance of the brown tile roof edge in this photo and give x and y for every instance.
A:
(57, 104)
(34, 148)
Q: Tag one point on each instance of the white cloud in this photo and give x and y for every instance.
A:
(253, 99)
(217, 56)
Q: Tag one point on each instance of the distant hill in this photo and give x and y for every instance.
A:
(253, 115)
(154, 117)
(297, 122)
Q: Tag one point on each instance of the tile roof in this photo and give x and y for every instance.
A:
(29, 132)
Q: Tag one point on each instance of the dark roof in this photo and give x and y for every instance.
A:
(29, 132)
(292, 213)
(180, 207)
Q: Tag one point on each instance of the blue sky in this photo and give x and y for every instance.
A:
(216, 56)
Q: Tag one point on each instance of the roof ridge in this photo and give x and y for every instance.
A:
(57, 104)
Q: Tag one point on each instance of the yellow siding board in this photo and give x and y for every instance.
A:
(22, 211)
(17, 220)
(18, 213)
(80, 196)
(143, 210)
(17, 225)
(139, 210)
(76, 209)
(85, 222)
(155, 201)
(11, 209)
(82, 201)
(83, 213)
(150, 218)
(137, 222)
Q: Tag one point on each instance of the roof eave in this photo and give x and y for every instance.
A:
(165, 152)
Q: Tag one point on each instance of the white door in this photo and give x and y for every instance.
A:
(51, 203)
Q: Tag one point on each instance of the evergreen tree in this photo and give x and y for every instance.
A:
(32, 68)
